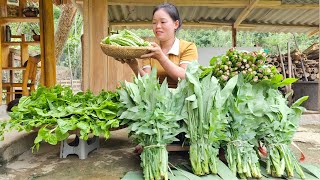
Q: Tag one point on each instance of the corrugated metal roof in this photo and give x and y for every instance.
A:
(300, 1)
(260, 19)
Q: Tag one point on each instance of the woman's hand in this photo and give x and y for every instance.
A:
(155, 52)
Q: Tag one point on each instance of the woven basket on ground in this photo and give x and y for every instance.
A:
(123, 52)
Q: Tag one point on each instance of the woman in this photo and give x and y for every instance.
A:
(171, 56)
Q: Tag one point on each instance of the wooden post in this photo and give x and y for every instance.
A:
(319, 85)
(234, 36)
(24, 52)
(22, 5)
(3, 13)
(48, 61)
(95, 62)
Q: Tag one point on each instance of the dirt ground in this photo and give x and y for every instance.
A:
(308, 140)
(115, 157)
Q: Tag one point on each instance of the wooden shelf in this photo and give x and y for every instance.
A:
(16, 68)
(6, 20)
(18, 43)
(13, 68)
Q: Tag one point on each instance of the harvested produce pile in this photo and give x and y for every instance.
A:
(234, 104)
(249, 113)
(152, 112)
(57, 110)
(251, 65)
(125, 38)
(307, 61)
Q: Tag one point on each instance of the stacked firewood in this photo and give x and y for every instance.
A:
(305, 65)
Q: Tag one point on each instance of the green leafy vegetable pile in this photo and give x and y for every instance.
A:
(251, 65)
(152, 112)
(205, 118)
(55, 111)
(253, 112)
(125, 38)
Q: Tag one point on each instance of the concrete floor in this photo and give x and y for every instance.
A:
(115, 157)
(111, 161)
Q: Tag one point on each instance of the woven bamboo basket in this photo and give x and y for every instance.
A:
(123, 52)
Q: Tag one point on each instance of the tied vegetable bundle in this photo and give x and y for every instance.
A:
(259, 112)
(252, 65)
(277, 129)
(246, 107)
(205, 117)
(125, 38)
(57, 110)
(152, 112)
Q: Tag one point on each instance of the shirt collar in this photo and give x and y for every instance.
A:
(175, 47)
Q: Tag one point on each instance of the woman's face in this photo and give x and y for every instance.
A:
(163, 25)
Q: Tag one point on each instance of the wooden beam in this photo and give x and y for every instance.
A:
(148, 24)
(48, 61)
(277, 25)
(279, 5)
(314, 32)
(6, 20)
(205, 24)
(245, 12)
(271, 4)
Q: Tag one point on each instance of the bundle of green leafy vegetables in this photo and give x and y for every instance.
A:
(55, 111)
(152, 112)
(246, 107)
(205, 117)
(277, 129)
(125, 38)
(259, 112)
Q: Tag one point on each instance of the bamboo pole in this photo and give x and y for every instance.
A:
(282, 64)
(290, 72)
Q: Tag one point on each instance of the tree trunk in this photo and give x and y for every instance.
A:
(62, 32)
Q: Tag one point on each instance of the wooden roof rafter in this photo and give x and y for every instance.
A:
(245, 13)
(272, 4)
(317, 30)
(208, 24)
